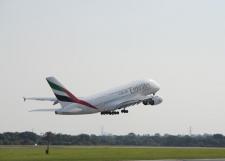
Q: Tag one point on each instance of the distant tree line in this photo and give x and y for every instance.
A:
(30, 138)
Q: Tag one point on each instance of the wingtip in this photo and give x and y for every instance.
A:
(24, 99)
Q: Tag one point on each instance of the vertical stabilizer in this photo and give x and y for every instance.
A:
(64, 96)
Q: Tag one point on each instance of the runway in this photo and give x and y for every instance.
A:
(185, 160)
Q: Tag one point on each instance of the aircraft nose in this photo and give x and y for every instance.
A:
(154, 85)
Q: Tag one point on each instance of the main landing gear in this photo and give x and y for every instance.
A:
(110, 113)
(113, 112)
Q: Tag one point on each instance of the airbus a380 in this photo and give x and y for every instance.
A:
(107, 103)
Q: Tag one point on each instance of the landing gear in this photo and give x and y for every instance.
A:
(124, 111)
(113, 112)
(145, 102)
(110, 113)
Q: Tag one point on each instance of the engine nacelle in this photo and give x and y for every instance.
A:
(154, 100)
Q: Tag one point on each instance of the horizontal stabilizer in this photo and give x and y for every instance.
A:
(40, 98)
(54, 100)
(44, 110)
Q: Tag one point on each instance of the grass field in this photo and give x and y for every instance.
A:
(108, 153)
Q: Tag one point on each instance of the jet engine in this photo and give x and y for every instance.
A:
(154, 100)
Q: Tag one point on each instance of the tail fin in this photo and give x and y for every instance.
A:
(62, 94)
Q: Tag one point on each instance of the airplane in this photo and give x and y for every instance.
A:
(105, 103)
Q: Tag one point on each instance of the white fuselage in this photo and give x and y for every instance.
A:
(118, 98)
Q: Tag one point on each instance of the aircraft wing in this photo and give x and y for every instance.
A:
(51, 99)
(124, 103)
(128, 103)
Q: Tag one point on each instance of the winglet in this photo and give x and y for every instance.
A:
(24, 99)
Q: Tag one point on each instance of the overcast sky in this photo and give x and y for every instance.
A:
(91, 46)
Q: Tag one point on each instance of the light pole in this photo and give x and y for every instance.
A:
(47, 135)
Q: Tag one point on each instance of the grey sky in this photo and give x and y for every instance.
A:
(91, 46)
